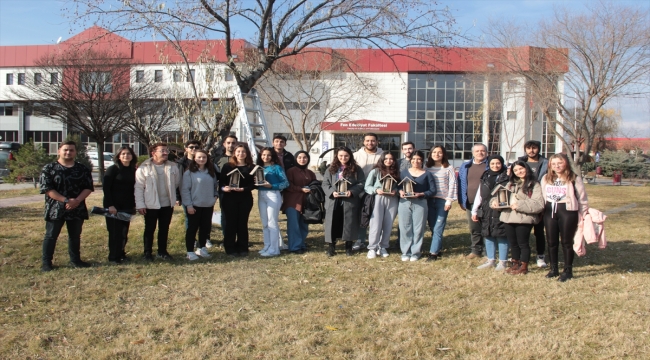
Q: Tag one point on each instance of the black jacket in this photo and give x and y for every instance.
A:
(491, 226)
(288, 161)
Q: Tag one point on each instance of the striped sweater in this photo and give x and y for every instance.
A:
(445, 179)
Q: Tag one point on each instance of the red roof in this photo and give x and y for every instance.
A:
(363, 60)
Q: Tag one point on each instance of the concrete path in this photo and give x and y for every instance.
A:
(17, 201)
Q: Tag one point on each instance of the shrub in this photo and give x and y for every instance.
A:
(29, 163)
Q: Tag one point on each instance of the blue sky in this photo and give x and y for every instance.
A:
(31, 22)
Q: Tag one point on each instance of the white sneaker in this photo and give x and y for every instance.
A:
(405, 258)
(358, 245)
(284, 247)
(372, 254)
(540, 261)
(268, 254)
(192, 256)
(383, 252)
(414, 258)
(203, 252)
(501, 266)
(208, 244)
(265, 249)
(487, 265)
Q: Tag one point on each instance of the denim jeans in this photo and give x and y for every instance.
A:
(437, 222)
(491, 247)
(412, 220)
(269, 203)
(297, 229)
(52, 231)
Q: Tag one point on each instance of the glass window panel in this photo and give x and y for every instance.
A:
(467, 155)
(37, 136)
(469, 106)
(421, 106)
(449, 127)
(460, 106)
(440, 126)
(449, 146)
(429, 139)
(469, 127)
(449, 115)
(421, 115)
(421, 95)
(458, 155)
(459, 127)
(419, 140)
(478, 127)
(460, 96)
(478, 96)
(478, 138)
(431, 105)
(458, 144)
(412, 105)
(459, 115)
(430, 126)
(468, 144)
(419, 126)
(440, 106)
(449, 139)
(431, 95)
(440, 95)
(468, 139)
(411, 95)
(440, 115)
(450, 106)
(450, 96)
(440, 138)
(411, 115)
(46, 136)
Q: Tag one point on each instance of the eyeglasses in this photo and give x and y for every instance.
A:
(163, 151)
(192, 147)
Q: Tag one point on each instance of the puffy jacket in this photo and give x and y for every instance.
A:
(529, 206)
(313, 208)
(491, 225)
(146, 188)
(462, 182)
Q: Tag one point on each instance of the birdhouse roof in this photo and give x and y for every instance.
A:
(255, 169)
(406, 178)
(233, 171)
(387, 176)
(499, 187)
(342, 179)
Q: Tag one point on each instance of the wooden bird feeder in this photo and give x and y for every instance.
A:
(234, 178)
(388, 184)
(408, 187)
(258, 173)
(342, 187)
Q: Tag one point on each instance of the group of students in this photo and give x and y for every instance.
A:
(421, 189)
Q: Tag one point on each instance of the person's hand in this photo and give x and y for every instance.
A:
(335, 194)
(348, 193)
(493, 205)
(238, 189)
(142, 211)
(267, 185)
(514, 206)
(447, 207)
(112, 210)
(419, 194)
(191, 210)
(72, 204)
(306, 190)
(401, 193)
(474, 218)
(226, 189)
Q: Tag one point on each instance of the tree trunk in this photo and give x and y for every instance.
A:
(100, 160)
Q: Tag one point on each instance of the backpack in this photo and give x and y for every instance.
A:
(313, 211)
(366, 210)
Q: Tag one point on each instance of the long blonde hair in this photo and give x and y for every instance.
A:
(567, 174)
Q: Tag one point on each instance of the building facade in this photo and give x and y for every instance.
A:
(453, 100)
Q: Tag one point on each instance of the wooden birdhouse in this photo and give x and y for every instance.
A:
(407, 187)
(258, 174)
(234, 178)
(342, 187)
(388, 184)
(502, 196)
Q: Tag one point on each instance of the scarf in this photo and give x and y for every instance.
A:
(493, 175)
(303, 167)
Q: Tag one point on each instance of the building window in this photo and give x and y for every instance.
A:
(48, 140)
(228, 75)
(139, 76)
(38, 78)
(6, 109)
(158, 77)
(10, 136)
(21, 78)
(512, 115)
(54, 78)
(209, 74)
(10, 79)
(190, 76)
(177, 75)
(95, 82)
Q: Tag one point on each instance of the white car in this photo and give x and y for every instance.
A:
(108, 159)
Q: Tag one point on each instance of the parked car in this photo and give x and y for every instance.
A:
(7, 150)
(108, 159)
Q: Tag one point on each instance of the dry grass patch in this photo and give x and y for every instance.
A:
(310, 306)
(6, 194)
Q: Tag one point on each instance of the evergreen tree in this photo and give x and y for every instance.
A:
(29, 163)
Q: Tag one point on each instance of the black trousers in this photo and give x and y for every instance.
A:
(540, 239)
(519, 238)
(162, 217)
(338, 222)
(475, 231)
(52, 231)
(118, 233)
(200, 221)
(236, 214)
(561, 225)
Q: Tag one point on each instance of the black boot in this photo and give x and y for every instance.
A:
(566, 274)
(553, 272)
(348, 248)
(331, 250)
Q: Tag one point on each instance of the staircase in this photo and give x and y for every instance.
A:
(250, 125)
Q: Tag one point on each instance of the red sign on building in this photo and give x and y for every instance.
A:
(365, 126)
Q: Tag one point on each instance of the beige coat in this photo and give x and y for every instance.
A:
(146, 178)
(528, 208)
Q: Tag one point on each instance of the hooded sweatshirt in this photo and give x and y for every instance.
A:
(365, 160)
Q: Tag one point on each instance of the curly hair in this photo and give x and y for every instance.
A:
(274, 156)
(392, 170)
(350, 167)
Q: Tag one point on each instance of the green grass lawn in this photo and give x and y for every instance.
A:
(311, 306)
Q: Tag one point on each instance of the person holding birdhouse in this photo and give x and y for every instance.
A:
(416, 186)
(237, 185)
(270, 182)
(342, 184)
(382, 184)
(525, 203)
